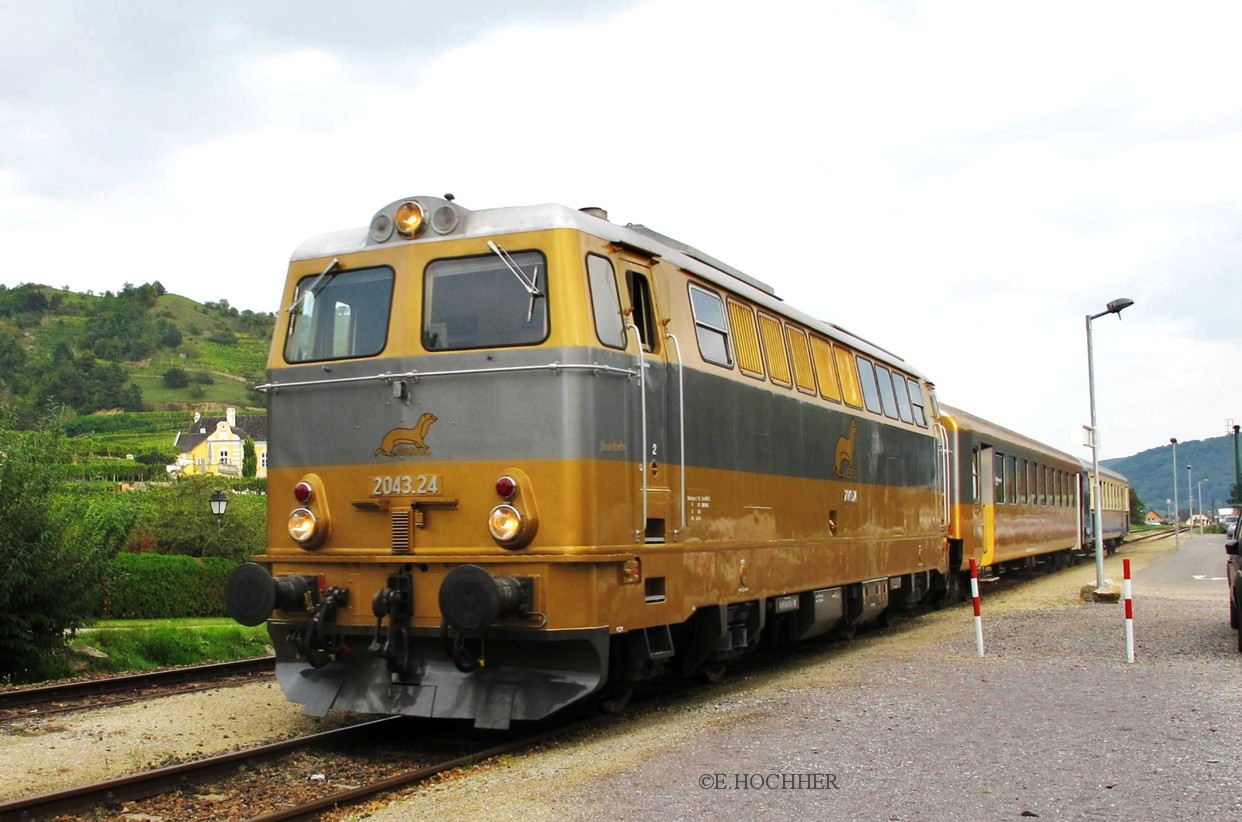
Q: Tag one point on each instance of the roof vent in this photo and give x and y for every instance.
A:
(595, 211)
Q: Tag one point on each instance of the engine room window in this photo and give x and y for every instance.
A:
(710, 326)
(851, 391)
(871, 392)
(746, 340)
(605, 301)
(774, 351)
(486, 302)
(887, 399)
(339, 314)
(916, 404)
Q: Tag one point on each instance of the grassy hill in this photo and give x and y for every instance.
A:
(99, 363)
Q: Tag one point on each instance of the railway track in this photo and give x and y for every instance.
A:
(195, 790)
(43, 700)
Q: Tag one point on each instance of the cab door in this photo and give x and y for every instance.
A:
(646, 341)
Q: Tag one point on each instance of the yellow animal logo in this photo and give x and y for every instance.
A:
(843, 463)
(402, 441)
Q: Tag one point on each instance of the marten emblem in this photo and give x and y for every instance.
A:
(844, 461)
(400, 442)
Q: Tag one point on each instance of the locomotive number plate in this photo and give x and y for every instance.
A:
(405, 485)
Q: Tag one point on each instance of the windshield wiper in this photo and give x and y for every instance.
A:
(315, 287)
(531, 285)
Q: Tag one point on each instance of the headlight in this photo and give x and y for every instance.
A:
(303, 526)
(505, 523)
(409, 219)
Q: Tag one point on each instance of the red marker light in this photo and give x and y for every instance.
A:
(302, 492)
(506, 487)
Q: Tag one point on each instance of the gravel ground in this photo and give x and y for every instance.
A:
(904, 724)
(912, 725)
(40, 755)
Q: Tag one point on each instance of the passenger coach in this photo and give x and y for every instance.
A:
(523, 456)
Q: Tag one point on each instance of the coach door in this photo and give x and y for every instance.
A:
(991, 491)
(652, 394)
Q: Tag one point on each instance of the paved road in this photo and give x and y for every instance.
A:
(1196, 570)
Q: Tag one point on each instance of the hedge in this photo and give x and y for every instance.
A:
(165, 586)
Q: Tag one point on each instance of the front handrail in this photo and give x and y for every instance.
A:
(390, 377)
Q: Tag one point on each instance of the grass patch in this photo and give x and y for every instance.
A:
(142, 645)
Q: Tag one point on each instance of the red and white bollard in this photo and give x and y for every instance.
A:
(974, 595)
(1125, 589)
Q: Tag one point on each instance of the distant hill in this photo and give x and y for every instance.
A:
(1151, 473)
(123, 372)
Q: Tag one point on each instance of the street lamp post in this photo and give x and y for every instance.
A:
(1177, 512)
(1201, 506)
(1237, 470)
(1114, 307)
(1190, 493)
(219, 503)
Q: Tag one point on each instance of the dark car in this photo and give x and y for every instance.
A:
(1233, 572)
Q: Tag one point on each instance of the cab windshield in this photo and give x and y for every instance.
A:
(490, 301)
(340, 314)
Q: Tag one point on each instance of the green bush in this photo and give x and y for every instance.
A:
(157, 586)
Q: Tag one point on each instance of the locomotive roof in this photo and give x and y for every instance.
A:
(513, 219)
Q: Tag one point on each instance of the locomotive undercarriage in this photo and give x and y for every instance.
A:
(522, 674)
(498, 674)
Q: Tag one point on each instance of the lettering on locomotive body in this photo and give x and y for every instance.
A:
(843, 462)
(696, 505)
(405, 485)
(400, 442)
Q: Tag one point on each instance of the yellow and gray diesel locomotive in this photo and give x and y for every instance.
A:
(523, 456)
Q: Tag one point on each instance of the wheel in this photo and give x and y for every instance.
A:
(616, 700)
(713, 673)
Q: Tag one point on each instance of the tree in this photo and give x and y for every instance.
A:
(54, 552)
(176, 378)
(1138, 511)
(250, 462)
(181, 521)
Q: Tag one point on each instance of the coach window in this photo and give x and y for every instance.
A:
(339, 314)
(974, 475)
(1012, 480)
(871, 392)
(1022, 481)
(888, 400)
(916, 403)
(1043, 485)
(998, 479)
(710, 326)
(605, 301)
(644, 314)
(774, 351)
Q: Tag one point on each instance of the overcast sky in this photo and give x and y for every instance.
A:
(959, 182)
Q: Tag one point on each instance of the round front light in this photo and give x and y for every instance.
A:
(410, 219)
(505, 523)
(381, 228)
(302, 526)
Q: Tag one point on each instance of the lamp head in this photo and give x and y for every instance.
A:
(1117, 305)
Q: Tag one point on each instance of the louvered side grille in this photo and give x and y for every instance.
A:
(401, 531)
